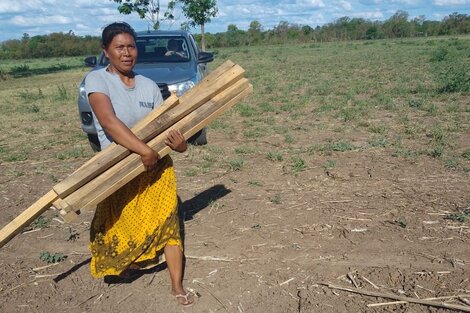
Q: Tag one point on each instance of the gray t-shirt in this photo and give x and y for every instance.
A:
(130, 104)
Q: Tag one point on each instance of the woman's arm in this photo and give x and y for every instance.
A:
(119, 132)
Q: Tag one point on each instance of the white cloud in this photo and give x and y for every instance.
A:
(40, 20)
(451, 2)
(346, 5)
(372, 15)
(311, 3)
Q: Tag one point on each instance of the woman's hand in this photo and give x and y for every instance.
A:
(149, 158)
(175, 140)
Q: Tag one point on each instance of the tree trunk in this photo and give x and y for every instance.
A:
(203, 39)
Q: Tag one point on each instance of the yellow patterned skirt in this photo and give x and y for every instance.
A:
(135, 223)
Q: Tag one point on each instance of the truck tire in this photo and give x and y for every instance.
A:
(94, 142)
(199, 138)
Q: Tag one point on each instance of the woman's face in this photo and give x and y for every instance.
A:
(122, 53)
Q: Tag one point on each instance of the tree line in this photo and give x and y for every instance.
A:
(345, 28)
(397, 26)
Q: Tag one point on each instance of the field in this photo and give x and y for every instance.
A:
(348, 165)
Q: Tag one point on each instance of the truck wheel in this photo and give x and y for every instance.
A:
(94, 142)
(199, 138)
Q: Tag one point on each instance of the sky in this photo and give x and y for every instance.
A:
(88, 17)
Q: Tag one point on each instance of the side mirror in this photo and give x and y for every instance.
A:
(90, 61)
(205, 57)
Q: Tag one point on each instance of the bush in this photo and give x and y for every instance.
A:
(453, 77)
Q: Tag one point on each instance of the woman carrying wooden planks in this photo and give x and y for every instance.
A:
(133, 226)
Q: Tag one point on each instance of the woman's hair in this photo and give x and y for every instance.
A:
(113, 29)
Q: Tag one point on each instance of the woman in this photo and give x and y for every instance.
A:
(132, 227)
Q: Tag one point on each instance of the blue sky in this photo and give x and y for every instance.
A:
(87, 17)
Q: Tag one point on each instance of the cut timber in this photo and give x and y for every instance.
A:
(123, 172)
(77, 199)
(215, 83)
(113, 168)
(25, 218)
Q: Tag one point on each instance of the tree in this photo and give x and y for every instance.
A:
(254, 32)
(199, 12)
(398, 26)
(147, 9)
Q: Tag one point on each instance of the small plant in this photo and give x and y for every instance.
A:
(48, 257)
(244, 150)
(288, 138)
(329, 164)
(440, 54)
(466, 154)
(62, 94)
(31, 96)
(276, 199)
(74, 153)
(378, 142)
(254, 183)
(246, 110)
(341, 146)
(236, 165)
(452, 163)
(437, 151)
(72, 235)
(416, 103)
(218, 124)
(274, 156)
(33, 108)
(39, 223)
(458, 217)
(298, 165)
(191, 172)
(401, 222)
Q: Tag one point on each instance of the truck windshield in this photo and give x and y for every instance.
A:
(162, 49)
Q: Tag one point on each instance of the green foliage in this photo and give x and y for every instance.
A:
(401, 222)
(329, 164)
(298, 164)
(62, 94)
(147, 9)
(49, 257)
(48, 46)
(72, 234)
(199, 12)
(276, 199)
(459, 217)
(39, 223)
(454, 77)
(236, 165)
(274, 156)
(29, 96)
(451, 64)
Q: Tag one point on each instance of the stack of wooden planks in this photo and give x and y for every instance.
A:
(115, 166)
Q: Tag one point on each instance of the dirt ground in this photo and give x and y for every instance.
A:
(261, 240)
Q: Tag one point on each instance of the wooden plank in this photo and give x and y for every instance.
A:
(116, 177)
(134, 168)
(26, 217)
(219, 81)
(168, 104)
(78, 199)
(44, 203)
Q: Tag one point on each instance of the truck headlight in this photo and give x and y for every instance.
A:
(81, 91)
(181, 88)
